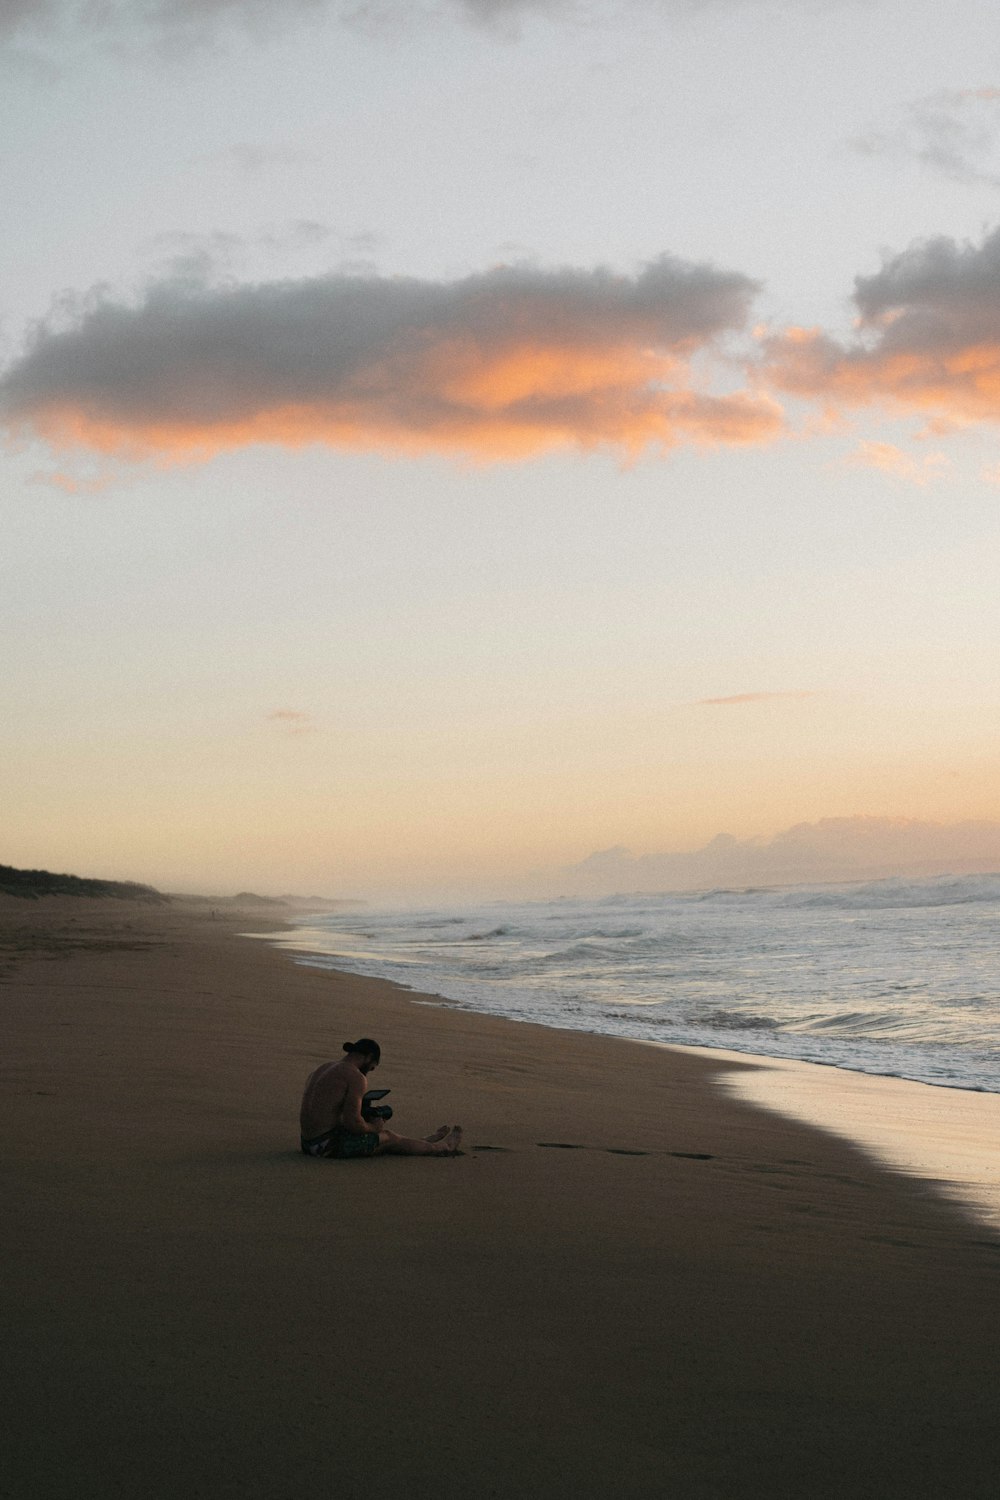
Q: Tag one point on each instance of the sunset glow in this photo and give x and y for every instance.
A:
(461, 440)
(505, 366)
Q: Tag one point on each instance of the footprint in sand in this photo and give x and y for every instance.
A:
(622, 1150)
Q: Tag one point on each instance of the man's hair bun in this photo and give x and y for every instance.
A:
(365, 1045)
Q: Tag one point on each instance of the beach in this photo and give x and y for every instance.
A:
(633, 1277)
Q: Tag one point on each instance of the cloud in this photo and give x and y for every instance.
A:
(163, 20)
(928, 339)
(72, 484)
(892, 460)
(185, 21)
(502, 16)
(506, 364)
(748, 698)
(200, 19)
(832, 849)
(952, 132)
(292, 721)
(255, 156)
(26, 15)
(201, 257)
(15, 14)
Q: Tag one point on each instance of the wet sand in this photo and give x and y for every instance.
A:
(948, 1136)
(634, 1278)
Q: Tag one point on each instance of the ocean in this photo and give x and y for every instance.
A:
(899, 978)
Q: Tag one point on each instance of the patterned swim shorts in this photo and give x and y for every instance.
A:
(341, 1144)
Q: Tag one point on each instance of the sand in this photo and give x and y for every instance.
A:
(949, 1136)
(633, 1279)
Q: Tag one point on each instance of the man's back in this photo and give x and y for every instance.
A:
(326, 1090)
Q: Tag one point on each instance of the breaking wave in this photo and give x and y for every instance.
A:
(885, 976)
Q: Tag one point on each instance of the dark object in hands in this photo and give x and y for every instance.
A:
(372, 1111)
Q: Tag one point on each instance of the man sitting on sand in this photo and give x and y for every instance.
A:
(331, 1121)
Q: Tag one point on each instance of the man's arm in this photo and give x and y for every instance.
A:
(350, 1113)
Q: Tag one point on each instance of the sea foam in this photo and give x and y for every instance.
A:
(893, 977)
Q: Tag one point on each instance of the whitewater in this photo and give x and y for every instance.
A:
(890, 977)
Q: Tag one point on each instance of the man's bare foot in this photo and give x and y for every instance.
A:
(438, 1135)
(452, 1142)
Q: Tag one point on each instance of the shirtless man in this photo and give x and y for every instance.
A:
(331, 1122)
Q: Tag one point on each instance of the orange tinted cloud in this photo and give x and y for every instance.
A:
(929, 339)
(71, 484)
(292, 720)
(507, 364)
(748, 698)
(892, 460)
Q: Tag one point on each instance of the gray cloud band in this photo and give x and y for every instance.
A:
(507, 362)
(929, 343)
(202, 16)
(171, 15)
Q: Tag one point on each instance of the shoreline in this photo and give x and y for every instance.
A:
(631, 1278)
(951, 1141)
(298, 937)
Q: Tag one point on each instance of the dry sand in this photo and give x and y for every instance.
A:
(632, 1281)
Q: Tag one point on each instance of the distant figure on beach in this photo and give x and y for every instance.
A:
(331, 1121)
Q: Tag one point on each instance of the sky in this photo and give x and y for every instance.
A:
(443, 441)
